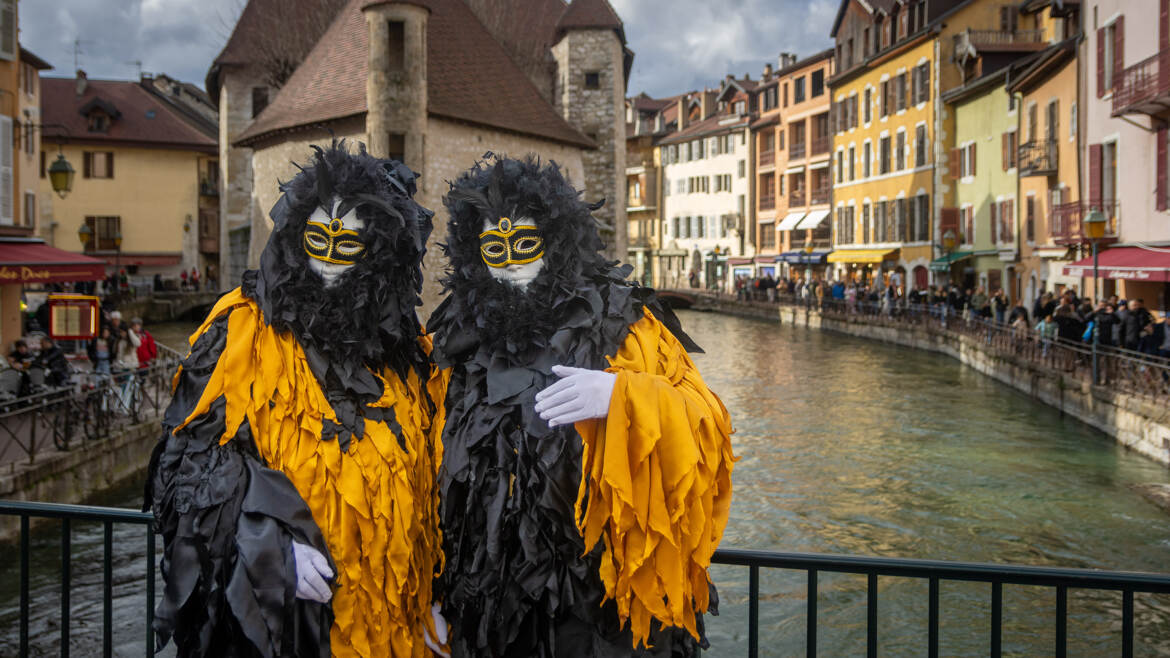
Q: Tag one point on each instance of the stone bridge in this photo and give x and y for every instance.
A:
(170, 306)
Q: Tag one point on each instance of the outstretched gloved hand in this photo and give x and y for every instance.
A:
(312, 573)
(581, 394)
(440, 630)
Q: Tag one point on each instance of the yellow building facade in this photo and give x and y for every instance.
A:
(884, 166)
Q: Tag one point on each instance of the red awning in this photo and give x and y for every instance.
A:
(1134, 263)
(33, 261)
(130, 258)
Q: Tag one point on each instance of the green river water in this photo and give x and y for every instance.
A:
(847, 446)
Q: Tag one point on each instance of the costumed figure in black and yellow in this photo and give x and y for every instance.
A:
(586, 475)
(294, 485)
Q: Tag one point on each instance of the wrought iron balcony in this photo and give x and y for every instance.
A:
(1038, 157)
(767, 158)
(208, 188)
(1066, 223)
(796, 199)
(795, 150)
(1144, 88)
(767, 202)
(821, 195)
(973, 41)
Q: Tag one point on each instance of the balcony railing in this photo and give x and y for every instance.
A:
(795, 150)
(797, 198)
(767, 202)
(208, 188)
(1038, 157)
(820, 145)
(767, 158)
(999, 40)
(821, 195)
(1144, 88)
(1066, 224)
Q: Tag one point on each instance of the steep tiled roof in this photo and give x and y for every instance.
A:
(32, 60)
(589, 14)
(644, 102)
(142, 117)
(470, 77)
(709, 126)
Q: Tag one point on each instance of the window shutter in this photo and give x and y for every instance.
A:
(109, 164)
(1004, 147)
(1118, 49)
(1160, 185)
(8, 36)
(87, 164)
(994, 220)
(1100, 62)
(953, 165)
(973, 160)
(1095, 175)
(6, 192)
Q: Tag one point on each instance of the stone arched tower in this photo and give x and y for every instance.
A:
(589, 91)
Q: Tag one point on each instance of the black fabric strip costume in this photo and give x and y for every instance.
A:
(302, 414)
(519, 581)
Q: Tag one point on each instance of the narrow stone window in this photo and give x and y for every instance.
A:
(593, 80)
(395, 45)
(259, 100)
(397, 149)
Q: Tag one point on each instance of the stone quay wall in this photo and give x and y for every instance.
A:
(1138, 423)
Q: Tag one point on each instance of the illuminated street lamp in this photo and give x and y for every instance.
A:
(1094, 230)
(85, 234)
(949, 241)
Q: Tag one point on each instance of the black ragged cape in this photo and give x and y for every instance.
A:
(516, 582)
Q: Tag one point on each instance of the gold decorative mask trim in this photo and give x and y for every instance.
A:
(510, 245)
(332, 243)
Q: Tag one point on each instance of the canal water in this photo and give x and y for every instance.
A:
(847, 446)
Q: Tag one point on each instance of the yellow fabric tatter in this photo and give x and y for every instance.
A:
(377, 505)
(656, 482)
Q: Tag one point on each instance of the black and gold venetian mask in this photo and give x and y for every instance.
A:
(510, 245)
(333, 243)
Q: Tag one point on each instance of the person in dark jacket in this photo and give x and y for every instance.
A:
(1134, 324)
(1105, 320)
(52, 359)
(1069, 325)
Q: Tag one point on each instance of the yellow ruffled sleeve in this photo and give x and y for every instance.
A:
(656, 482)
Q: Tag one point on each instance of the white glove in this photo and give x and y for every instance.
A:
(312, 570)
(440, 630)
(581, 394)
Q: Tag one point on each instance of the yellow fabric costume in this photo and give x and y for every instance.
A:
(376, 505)
(656, 482)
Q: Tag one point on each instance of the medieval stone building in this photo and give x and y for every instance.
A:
(435, 83)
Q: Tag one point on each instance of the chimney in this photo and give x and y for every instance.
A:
(787, 59)
(82, 82)
(767, 71)
(707, 103)
(682, 112)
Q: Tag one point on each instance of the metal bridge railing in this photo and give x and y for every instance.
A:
(92, 408)
(998, 575)
(68, 514)
(935, 571)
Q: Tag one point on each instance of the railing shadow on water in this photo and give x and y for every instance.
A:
(812, 564)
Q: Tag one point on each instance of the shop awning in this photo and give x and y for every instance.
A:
(32, 261)
(1133, 263)
(790, 221)
(861, 255)
(812, 220)
(739, 261)
(800, 257)
(944, 264)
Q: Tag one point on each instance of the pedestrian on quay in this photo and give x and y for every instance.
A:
(1069, 325)
(1134, 324)
(147, 349)
(125, 363)
(52, 359)
(1105, 323)
(183, 280)
(20, 358)
(101, 350)
(999, 304)
(194, 279)
(1046, 329)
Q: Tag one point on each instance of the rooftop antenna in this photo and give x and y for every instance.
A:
(76, 54)
(137, 63)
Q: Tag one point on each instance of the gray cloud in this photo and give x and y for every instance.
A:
(679, 44)
(177, 37)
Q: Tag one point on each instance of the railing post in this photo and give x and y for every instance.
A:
(811, 616)
(1127, 623)
(932, 621)
(107, 589)
(150, 589)
(66, 554)
(24, 568)
(996, 619)
(1061, 621)
(753, 611)
(871, 621)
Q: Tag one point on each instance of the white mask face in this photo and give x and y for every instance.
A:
(329, 239)
(519, 275)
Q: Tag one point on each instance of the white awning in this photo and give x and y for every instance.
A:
(790, 221)
(813, 219)
(794, 170)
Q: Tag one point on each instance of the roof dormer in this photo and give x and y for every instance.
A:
(99, 114)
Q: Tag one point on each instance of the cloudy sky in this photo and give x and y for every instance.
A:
(680, 44)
